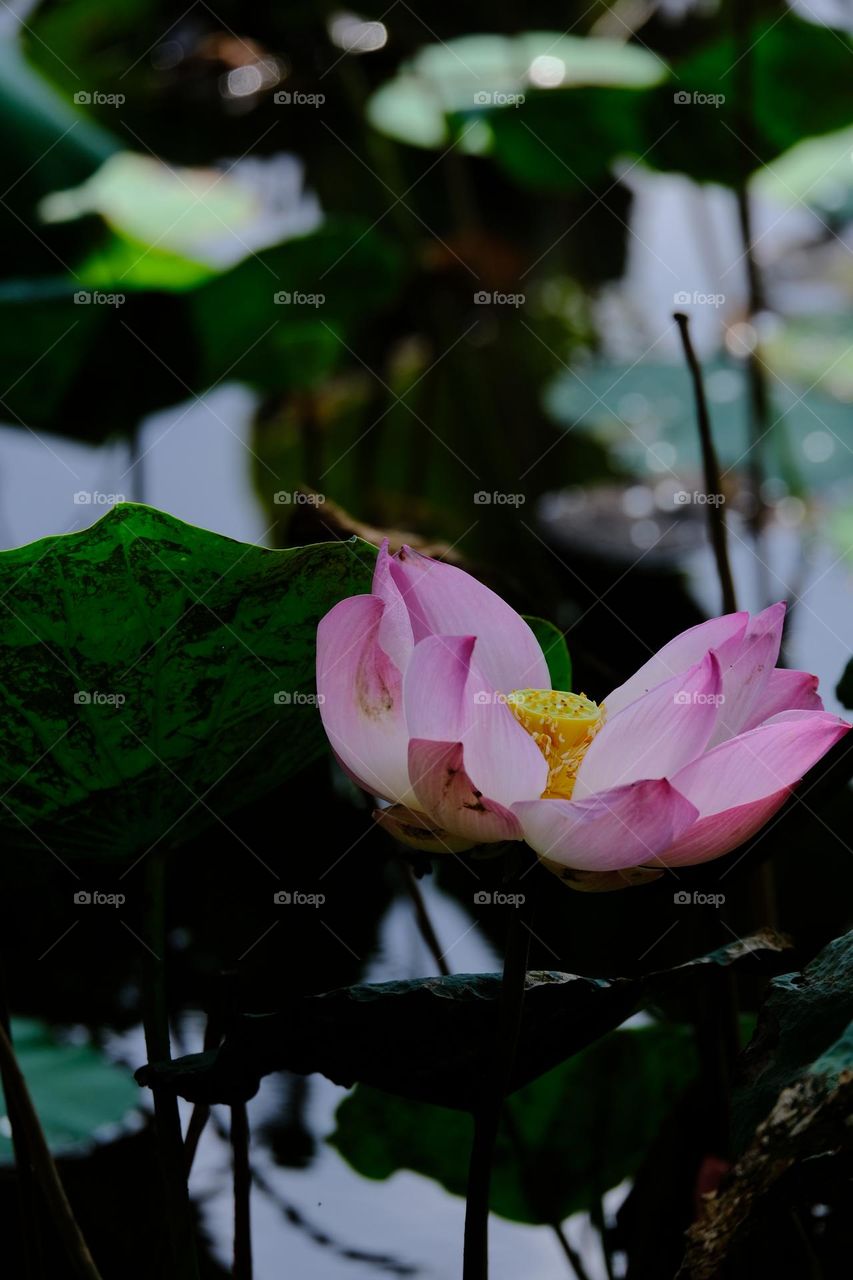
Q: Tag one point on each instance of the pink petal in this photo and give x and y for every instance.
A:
(719, 833)
(395, 629)
(785, 691)
(619, 828)
(655, 735)
(680, 653)
(746, 673)
(417, 831)
(760, 763)
(447, 794)
(444, 600)
(362, 698)
(448, 700)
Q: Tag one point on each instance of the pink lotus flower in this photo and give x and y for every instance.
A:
(436, 697)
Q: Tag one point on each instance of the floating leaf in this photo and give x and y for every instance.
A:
(430, 1039)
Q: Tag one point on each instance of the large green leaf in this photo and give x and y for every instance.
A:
(566, 1138)
(154, 673)
(79, 1096)
(430, 1039)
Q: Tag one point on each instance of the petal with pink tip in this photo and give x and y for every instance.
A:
(657, 734)
(362, 698)
(623, 827)
(444, 600)
(675, 657)
(760, 763)
(448, 699)
(447, 794)
(395, 629)
(785, 691)
(719, 833)
(746, 674)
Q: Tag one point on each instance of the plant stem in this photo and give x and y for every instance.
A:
(167, 1120)
(425, 925)
(242, 1192)
(716, 520)
(42, 1163)
(487, 1116)
(27, 1190)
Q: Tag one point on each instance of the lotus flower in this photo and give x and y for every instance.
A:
(436, 698)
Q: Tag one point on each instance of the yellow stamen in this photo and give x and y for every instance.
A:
(562, 725)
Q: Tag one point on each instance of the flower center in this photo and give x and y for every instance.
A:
(562, 725)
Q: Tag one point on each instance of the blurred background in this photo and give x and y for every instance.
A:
(291, 272)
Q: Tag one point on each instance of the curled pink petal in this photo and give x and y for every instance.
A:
(760, 763)
(395, 629)
(448, 699)
(361, 698)
(447, 794)
(680, 653)
(623, 827)
(656, 734)
(444, 600)
(746, 674)
(785, 691)
(719, 833)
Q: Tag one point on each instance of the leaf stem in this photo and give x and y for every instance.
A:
(711, 465)
(42, 1163)
(424, 923)
(167, 1120)
(487, 1116)
(242, 1192)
